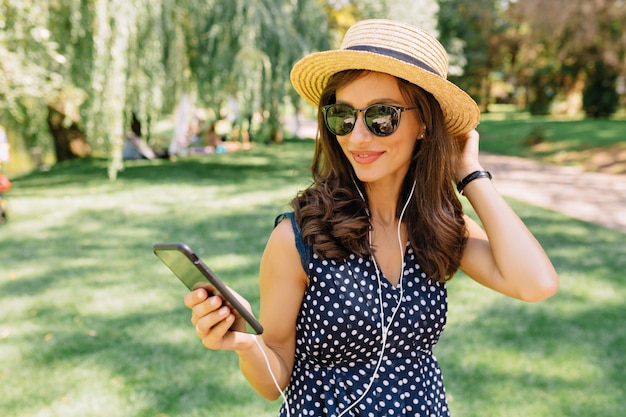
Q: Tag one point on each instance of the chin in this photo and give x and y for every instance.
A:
(367, 177)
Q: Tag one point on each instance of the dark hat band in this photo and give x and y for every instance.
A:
(394, 54)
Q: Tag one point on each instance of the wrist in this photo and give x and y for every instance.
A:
(248, 346)
(472, 176)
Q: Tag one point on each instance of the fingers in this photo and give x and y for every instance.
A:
(471, 137)
(204, 305)
(214, 329)
(211, 317)
(467, 159)
(194, 297)
(213, 320)
(217, 325)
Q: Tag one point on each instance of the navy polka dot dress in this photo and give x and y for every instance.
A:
(339, 341)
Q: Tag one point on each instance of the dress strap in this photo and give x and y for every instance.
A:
(304, 250)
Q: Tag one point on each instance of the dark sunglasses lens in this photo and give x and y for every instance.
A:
(382, 120)
(340, 119)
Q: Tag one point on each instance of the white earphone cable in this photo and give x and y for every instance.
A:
(269, 368)
(385, 329)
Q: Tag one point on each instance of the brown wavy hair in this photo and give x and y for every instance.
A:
(332, 215)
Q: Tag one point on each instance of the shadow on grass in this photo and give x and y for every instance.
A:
(509, 136)
(109, 284)
(153, 356)
(282, 160)
(572, 362)
(89, 293)
(565, 353)
(144, 355)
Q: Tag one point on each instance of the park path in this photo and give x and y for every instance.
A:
(593, 197)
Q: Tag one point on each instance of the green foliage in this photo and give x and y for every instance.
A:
(32, 67)
(473, 33)
(554, 42)
(600, 98)
(107, 60)
(102, 61)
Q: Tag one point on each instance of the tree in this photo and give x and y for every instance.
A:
(420, 13)
(72, 58)
(562, 41)
(103, 67)
(472, 32)
(600, 98)
(31, 68)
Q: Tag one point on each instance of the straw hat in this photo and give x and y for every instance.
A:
(393, 48)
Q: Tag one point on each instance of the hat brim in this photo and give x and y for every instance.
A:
(311, 74)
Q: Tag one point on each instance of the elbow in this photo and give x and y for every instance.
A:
(270, 394)
(542, 290)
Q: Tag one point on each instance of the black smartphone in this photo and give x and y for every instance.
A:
(190, 269)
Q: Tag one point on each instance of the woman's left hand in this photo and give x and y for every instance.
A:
(467, 159)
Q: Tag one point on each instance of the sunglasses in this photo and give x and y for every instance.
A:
(381, 119)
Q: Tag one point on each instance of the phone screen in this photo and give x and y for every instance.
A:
(192, 272)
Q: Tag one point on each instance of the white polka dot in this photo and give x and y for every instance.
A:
(339, 341)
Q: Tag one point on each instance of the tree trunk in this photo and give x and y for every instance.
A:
(485, 93)
(540, 101)
(69, 140)
(276, 131)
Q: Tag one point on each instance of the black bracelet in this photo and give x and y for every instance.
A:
(471, 177)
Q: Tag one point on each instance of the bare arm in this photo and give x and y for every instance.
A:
(505, 256)
(283, 282)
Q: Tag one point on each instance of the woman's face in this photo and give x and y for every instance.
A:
(375, 158)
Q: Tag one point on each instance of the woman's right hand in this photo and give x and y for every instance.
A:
(216, 325)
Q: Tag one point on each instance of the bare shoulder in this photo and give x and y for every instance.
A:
(281, 256)
(283, 233)
(283, 284)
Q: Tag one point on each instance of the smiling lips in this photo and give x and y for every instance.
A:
(365, 157)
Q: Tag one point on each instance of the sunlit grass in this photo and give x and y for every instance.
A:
(563, 139)
(92, 324)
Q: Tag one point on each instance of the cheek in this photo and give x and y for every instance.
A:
(340, 149)
(412, 124)
(407, 150)
(403, 150)
(342, 141)
(404, 142)
(410, 133)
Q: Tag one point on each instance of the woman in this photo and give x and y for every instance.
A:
(353, 285)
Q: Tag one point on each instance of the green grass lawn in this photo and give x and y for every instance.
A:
(560, 140)
(92, 323)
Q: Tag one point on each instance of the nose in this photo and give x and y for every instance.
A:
(360, 132)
